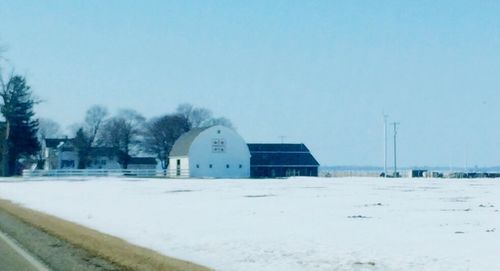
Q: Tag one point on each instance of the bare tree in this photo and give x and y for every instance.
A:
(201, 117)
(3, 49)
(48, 128)
(123, 133)
(87, 134)
(94, 118)
(196, 116)
(219, 121)
(161, 133)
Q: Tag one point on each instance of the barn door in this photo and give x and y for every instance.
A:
(178, 167)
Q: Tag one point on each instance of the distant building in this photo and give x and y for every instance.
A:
(213, 152)
(219, 152)
(61, 153)
(417, 173)
(102, 158)
(281, 160)
(142, 163)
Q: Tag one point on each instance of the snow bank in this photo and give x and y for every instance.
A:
(294, 224)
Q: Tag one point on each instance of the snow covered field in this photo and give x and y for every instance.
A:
(294, 224)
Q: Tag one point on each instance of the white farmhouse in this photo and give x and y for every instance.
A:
(213, 152)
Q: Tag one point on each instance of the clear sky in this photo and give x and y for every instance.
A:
(317, 72)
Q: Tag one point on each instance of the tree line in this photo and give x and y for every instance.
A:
(126, 133)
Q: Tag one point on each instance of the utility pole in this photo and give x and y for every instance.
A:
(395, 124)
(282, 139)
(385, 145)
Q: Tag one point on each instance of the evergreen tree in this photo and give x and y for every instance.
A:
(20, 134)
(81, 143)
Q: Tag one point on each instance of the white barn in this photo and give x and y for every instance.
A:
(212, 152)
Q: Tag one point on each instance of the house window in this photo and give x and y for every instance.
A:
(218, 131)
(178, 162)
(227, 165)
(210, 166)
(241, 166)
(197, 166)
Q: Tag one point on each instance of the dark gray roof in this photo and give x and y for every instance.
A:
(281, 155)
(183, 143)
(54, 142)
(277, 147)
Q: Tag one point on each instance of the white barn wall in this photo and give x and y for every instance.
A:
(236, 153)
(197, 154)
(184, 167)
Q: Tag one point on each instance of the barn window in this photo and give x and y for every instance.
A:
(218, 131)
(210, 166)
(227, 165)
(241, 166)
(197, 166)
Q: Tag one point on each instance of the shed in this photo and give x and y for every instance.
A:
(281, 160)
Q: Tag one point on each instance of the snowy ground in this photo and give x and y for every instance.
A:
(294, 224)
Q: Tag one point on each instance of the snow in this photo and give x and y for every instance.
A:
(292, 224)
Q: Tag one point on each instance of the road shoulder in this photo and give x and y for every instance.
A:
(12, 257)
(64, 245)
(51, 251)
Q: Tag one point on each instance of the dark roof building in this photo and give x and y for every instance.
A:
(55, 142)
(143, 161)
(281, 160)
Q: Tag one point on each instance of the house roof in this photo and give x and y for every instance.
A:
(142, 161)
(94, 151)
(281, 155)
(54, 142)
(183, 143)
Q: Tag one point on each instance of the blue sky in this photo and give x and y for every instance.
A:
(318, 72)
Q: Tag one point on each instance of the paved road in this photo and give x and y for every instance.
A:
(12, 258)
